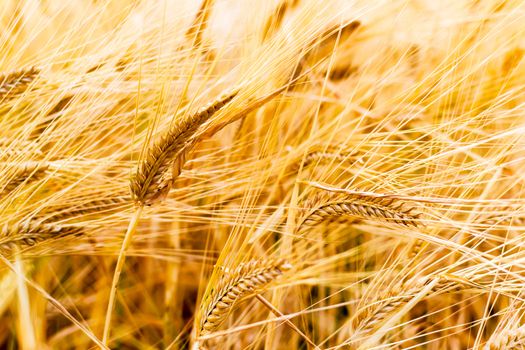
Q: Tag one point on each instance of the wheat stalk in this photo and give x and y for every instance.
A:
(360, 206)
(31, 232)
(153, 181)
(234, 285)
(150, 181)
(25, 172)
(15, 83)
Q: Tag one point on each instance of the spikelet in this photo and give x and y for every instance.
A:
(15, 83)
(25, 172)
(360, 206)
(151, 183)
(32, 232)
(233, 286)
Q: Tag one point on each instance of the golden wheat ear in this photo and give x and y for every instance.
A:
(369, 318)
(248, 278)
(15, 83)
(361, 206)
(93, 207)
(275, 19)
(25, 172)
(328, 153)
(31, 232)
(509, 339)
(194, 33)
(151, 182)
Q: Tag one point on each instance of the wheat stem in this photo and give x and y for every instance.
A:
(118, 269)
(27, 331)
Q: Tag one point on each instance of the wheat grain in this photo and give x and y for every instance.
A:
(150, 181)
(359, 206)
(247, 278)
(15, 83)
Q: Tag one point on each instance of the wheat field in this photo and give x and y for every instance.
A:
(284, 174)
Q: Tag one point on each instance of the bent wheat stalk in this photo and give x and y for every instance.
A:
(150, 182)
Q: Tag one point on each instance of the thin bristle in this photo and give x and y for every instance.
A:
(233, 286)
(150, 182)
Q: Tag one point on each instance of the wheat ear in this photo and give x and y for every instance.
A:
(88, 208)
(369, 318)
(274, 21)
(328, 153)
(359, 206)
(15, 83)
(509, 339)
(246, 279)
(151, 182)
(32, 232)
(25, 172)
